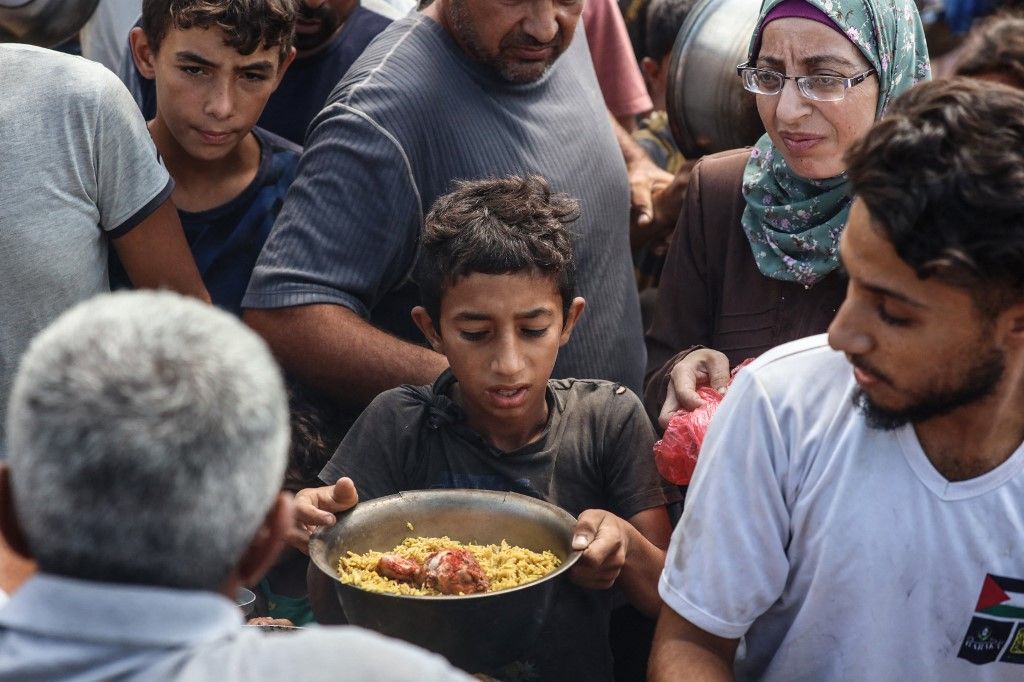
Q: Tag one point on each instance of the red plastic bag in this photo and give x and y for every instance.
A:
(675, 454)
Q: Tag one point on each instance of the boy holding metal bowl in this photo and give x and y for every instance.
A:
(496, 274)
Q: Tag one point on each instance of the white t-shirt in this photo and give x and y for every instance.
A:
(837, 551)
(77, 164)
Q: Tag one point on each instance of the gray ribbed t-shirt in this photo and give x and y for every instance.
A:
(77, 165)
(413, 115)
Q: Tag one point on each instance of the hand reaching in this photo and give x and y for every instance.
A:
(702, 367)
(315, 507)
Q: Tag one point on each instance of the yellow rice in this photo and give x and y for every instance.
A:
(505, 565)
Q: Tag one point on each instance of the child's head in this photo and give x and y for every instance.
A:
(496, 276)
(497, 226)
(215, 63)
(994, 50)
(664, 19)
(316, 432)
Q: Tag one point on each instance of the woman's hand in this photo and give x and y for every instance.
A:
(315, 507)
(702, 367)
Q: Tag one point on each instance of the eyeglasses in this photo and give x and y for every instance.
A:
(821, 88)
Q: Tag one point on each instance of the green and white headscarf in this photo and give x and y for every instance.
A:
(793, 223)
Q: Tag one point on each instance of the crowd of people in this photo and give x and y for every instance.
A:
(363, 250)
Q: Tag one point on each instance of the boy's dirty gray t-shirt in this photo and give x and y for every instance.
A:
(595, 453)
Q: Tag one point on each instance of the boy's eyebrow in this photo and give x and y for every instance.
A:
(469, 316)
(472, 316)
(532, 314)
(262, 65)
(186, 56)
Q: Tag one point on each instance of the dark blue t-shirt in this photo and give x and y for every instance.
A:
(226, 240)
(306, 85)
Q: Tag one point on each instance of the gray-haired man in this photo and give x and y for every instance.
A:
(147, 440)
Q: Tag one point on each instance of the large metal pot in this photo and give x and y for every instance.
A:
(478, 632)
(708, 109)
(43, 22)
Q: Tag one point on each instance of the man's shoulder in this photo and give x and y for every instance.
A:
(809, 354)
(406, 58)
(367, 23)
(361, 27)
(68, 77)
(801, 376)
(343, 652)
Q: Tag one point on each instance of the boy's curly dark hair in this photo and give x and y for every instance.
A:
(995, 47)
(316, 432)
(942, 174)
(247, 24)
(497, 226)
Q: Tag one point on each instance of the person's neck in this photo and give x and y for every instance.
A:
(505, 435)
(199, 184)
(975, 439)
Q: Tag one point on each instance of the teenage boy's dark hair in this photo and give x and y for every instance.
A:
(497, 226)
(942, 175)
(664, 19)
(247, 24)
(995, 47)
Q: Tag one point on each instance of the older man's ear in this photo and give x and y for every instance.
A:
(15, 564)
(268, 541)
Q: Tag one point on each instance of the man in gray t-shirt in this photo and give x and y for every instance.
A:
(462, 90)
(78, 170)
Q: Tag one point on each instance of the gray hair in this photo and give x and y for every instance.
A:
(147, 439)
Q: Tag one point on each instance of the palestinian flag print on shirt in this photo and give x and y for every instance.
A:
(998, 623)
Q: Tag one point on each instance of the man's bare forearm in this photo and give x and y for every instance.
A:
(335, 351)
(682, 651)
(631, 151)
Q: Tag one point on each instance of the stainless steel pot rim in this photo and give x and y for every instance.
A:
(498, 496)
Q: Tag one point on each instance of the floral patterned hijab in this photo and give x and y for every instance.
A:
(793, 223)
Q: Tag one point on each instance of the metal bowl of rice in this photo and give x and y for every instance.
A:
(476, 632)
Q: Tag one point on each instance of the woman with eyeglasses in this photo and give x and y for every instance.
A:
(754, 260)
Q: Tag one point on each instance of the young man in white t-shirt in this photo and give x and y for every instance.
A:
(856, 512)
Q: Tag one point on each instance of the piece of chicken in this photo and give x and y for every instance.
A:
(399, 568)
(454, 571)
